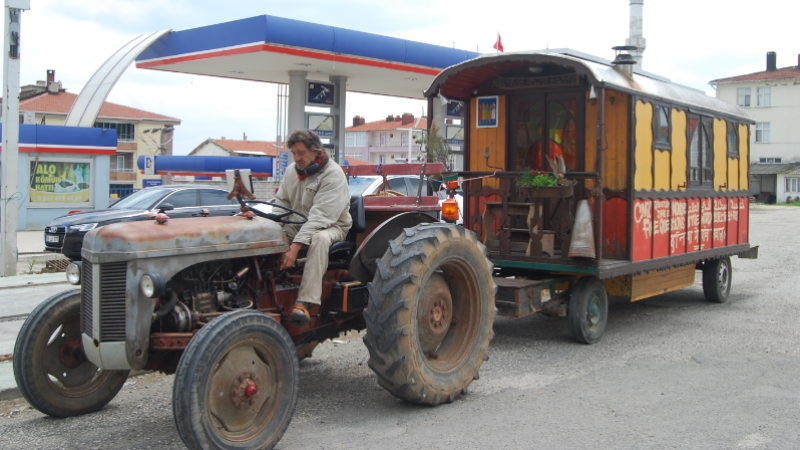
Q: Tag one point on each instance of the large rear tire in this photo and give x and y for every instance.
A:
(717, 277)
(236, 384)
(430, 313)
(50, 367)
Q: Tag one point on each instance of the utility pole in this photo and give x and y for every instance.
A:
(9, 190)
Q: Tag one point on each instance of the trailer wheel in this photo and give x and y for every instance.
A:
(588, 310)
(236, 384)
(717, 277)
(430, 313)
(51, 370)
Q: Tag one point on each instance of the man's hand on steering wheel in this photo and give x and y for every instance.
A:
(280, 218)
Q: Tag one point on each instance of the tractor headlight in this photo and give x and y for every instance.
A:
(74, 273)
(152, 285)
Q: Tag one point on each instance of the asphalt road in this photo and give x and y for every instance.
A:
(671, 372)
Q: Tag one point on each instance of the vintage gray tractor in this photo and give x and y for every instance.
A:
(203, 298)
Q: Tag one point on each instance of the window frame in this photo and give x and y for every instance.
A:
(123, 134)
(764, 99)
(759, 134)
(732, 130)
(788, 181)
(743, 95)
(705, 125)
(657, 145)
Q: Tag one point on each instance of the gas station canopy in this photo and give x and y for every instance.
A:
(267, 48)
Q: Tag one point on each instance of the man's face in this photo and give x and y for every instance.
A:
(302, 155)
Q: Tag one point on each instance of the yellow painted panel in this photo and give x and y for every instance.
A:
(720, 155)
(494, 138)
(744, 156)
(662, 166)
(643, 157)
(679, 150)
(733, 174)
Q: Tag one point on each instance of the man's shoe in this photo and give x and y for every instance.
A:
(300, 314)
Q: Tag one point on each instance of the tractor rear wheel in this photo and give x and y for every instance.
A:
(430, 313)
(236, 384)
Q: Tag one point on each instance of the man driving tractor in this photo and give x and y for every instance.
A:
(317, 187)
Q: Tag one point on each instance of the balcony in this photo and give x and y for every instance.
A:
(122, 174)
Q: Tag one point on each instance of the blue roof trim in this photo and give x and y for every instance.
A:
(76, 136)
(312, 36)
(208, 164)
(30, 134)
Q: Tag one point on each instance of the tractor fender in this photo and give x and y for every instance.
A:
(362, 267)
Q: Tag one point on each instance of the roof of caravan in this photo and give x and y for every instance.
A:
(457, 81)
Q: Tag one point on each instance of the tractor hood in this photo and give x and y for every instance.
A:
(149, 239)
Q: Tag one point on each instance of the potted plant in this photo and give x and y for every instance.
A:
(539, 184)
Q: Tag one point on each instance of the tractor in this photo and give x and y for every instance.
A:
(204, 298)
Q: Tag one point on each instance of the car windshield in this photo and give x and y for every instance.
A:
(143, 199)
(359, 184)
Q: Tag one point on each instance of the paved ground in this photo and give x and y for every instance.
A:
(671, 372)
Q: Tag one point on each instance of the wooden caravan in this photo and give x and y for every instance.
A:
(654, 186)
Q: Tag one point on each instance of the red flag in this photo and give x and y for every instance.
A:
(499, 44)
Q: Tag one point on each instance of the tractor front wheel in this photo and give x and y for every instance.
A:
(236, 384)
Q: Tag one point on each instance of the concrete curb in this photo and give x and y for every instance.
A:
(32, 280)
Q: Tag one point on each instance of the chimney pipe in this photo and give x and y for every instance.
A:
(636, 38)
(51, 76)
(772, 64)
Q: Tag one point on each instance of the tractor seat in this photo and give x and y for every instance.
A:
(342, 252)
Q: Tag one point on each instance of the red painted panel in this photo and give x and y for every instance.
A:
(661, 228)
(693, 225)
(744, 220)
(706, 222)
(733, 221)
(642, 229)
(720, 222)
(677, 229)
(615, 232)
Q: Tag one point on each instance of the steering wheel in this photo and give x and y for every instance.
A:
(280, 218)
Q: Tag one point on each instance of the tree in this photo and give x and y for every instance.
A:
(436, 148)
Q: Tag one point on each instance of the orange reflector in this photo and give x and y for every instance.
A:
(450, 209)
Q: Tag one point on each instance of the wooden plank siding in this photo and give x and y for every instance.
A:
(669, 219)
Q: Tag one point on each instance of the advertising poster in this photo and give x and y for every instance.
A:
(487, 112)
(320, 94)
(455, 108)
(322, 124)
(455, 134)
(60, 182)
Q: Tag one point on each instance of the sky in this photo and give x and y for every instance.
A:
(688, 41)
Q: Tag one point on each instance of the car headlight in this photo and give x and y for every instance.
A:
(152, 285)
(83, 227)
(74, 273)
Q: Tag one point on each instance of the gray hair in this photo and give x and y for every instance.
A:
(308, 138)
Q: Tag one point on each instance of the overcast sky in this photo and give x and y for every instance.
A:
(688, 41)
